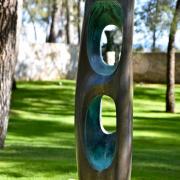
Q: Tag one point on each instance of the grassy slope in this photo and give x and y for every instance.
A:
(41, 145)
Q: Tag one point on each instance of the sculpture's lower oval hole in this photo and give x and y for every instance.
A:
(111, 45)
(108, 115)
(99, 146)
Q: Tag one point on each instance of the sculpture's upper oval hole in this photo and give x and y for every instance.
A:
(103, 14)
(111, 45)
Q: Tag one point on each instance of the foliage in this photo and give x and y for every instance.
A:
(38, 10)
(41, 12)
(153, 19)
(41, 142)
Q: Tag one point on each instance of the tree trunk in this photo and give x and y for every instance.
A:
(170, 98)
(154, 28)
(18, 31)
(67, 23)
(8, 18)
(33, 22)
(53, 35)
(79, 20)
(154, 40)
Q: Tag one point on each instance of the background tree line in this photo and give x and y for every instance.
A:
(57, 18)
(61, 21)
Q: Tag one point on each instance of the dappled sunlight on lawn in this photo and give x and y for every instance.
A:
(41, 141)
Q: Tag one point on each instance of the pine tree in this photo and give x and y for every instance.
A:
(170, 97)
(8, 19)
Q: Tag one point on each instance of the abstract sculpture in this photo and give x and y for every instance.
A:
(103, 156)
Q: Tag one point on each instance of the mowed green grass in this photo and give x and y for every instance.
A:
(41, 142)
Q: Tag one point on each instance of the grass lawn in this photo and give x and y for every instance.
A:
(41, 144)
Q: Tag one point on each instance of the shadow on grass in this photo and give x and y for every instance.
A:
(152, 93)
(38, 160)
(42, 118)
(38, 100)
(47, 101)
(40, 142)
(32, 128)
(162, 125)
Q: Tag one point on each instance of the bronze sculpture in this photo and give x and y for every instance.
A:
(103, 156)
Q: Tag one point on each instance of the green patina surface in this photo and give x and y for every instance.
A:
(102, 14)
(110, 11)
